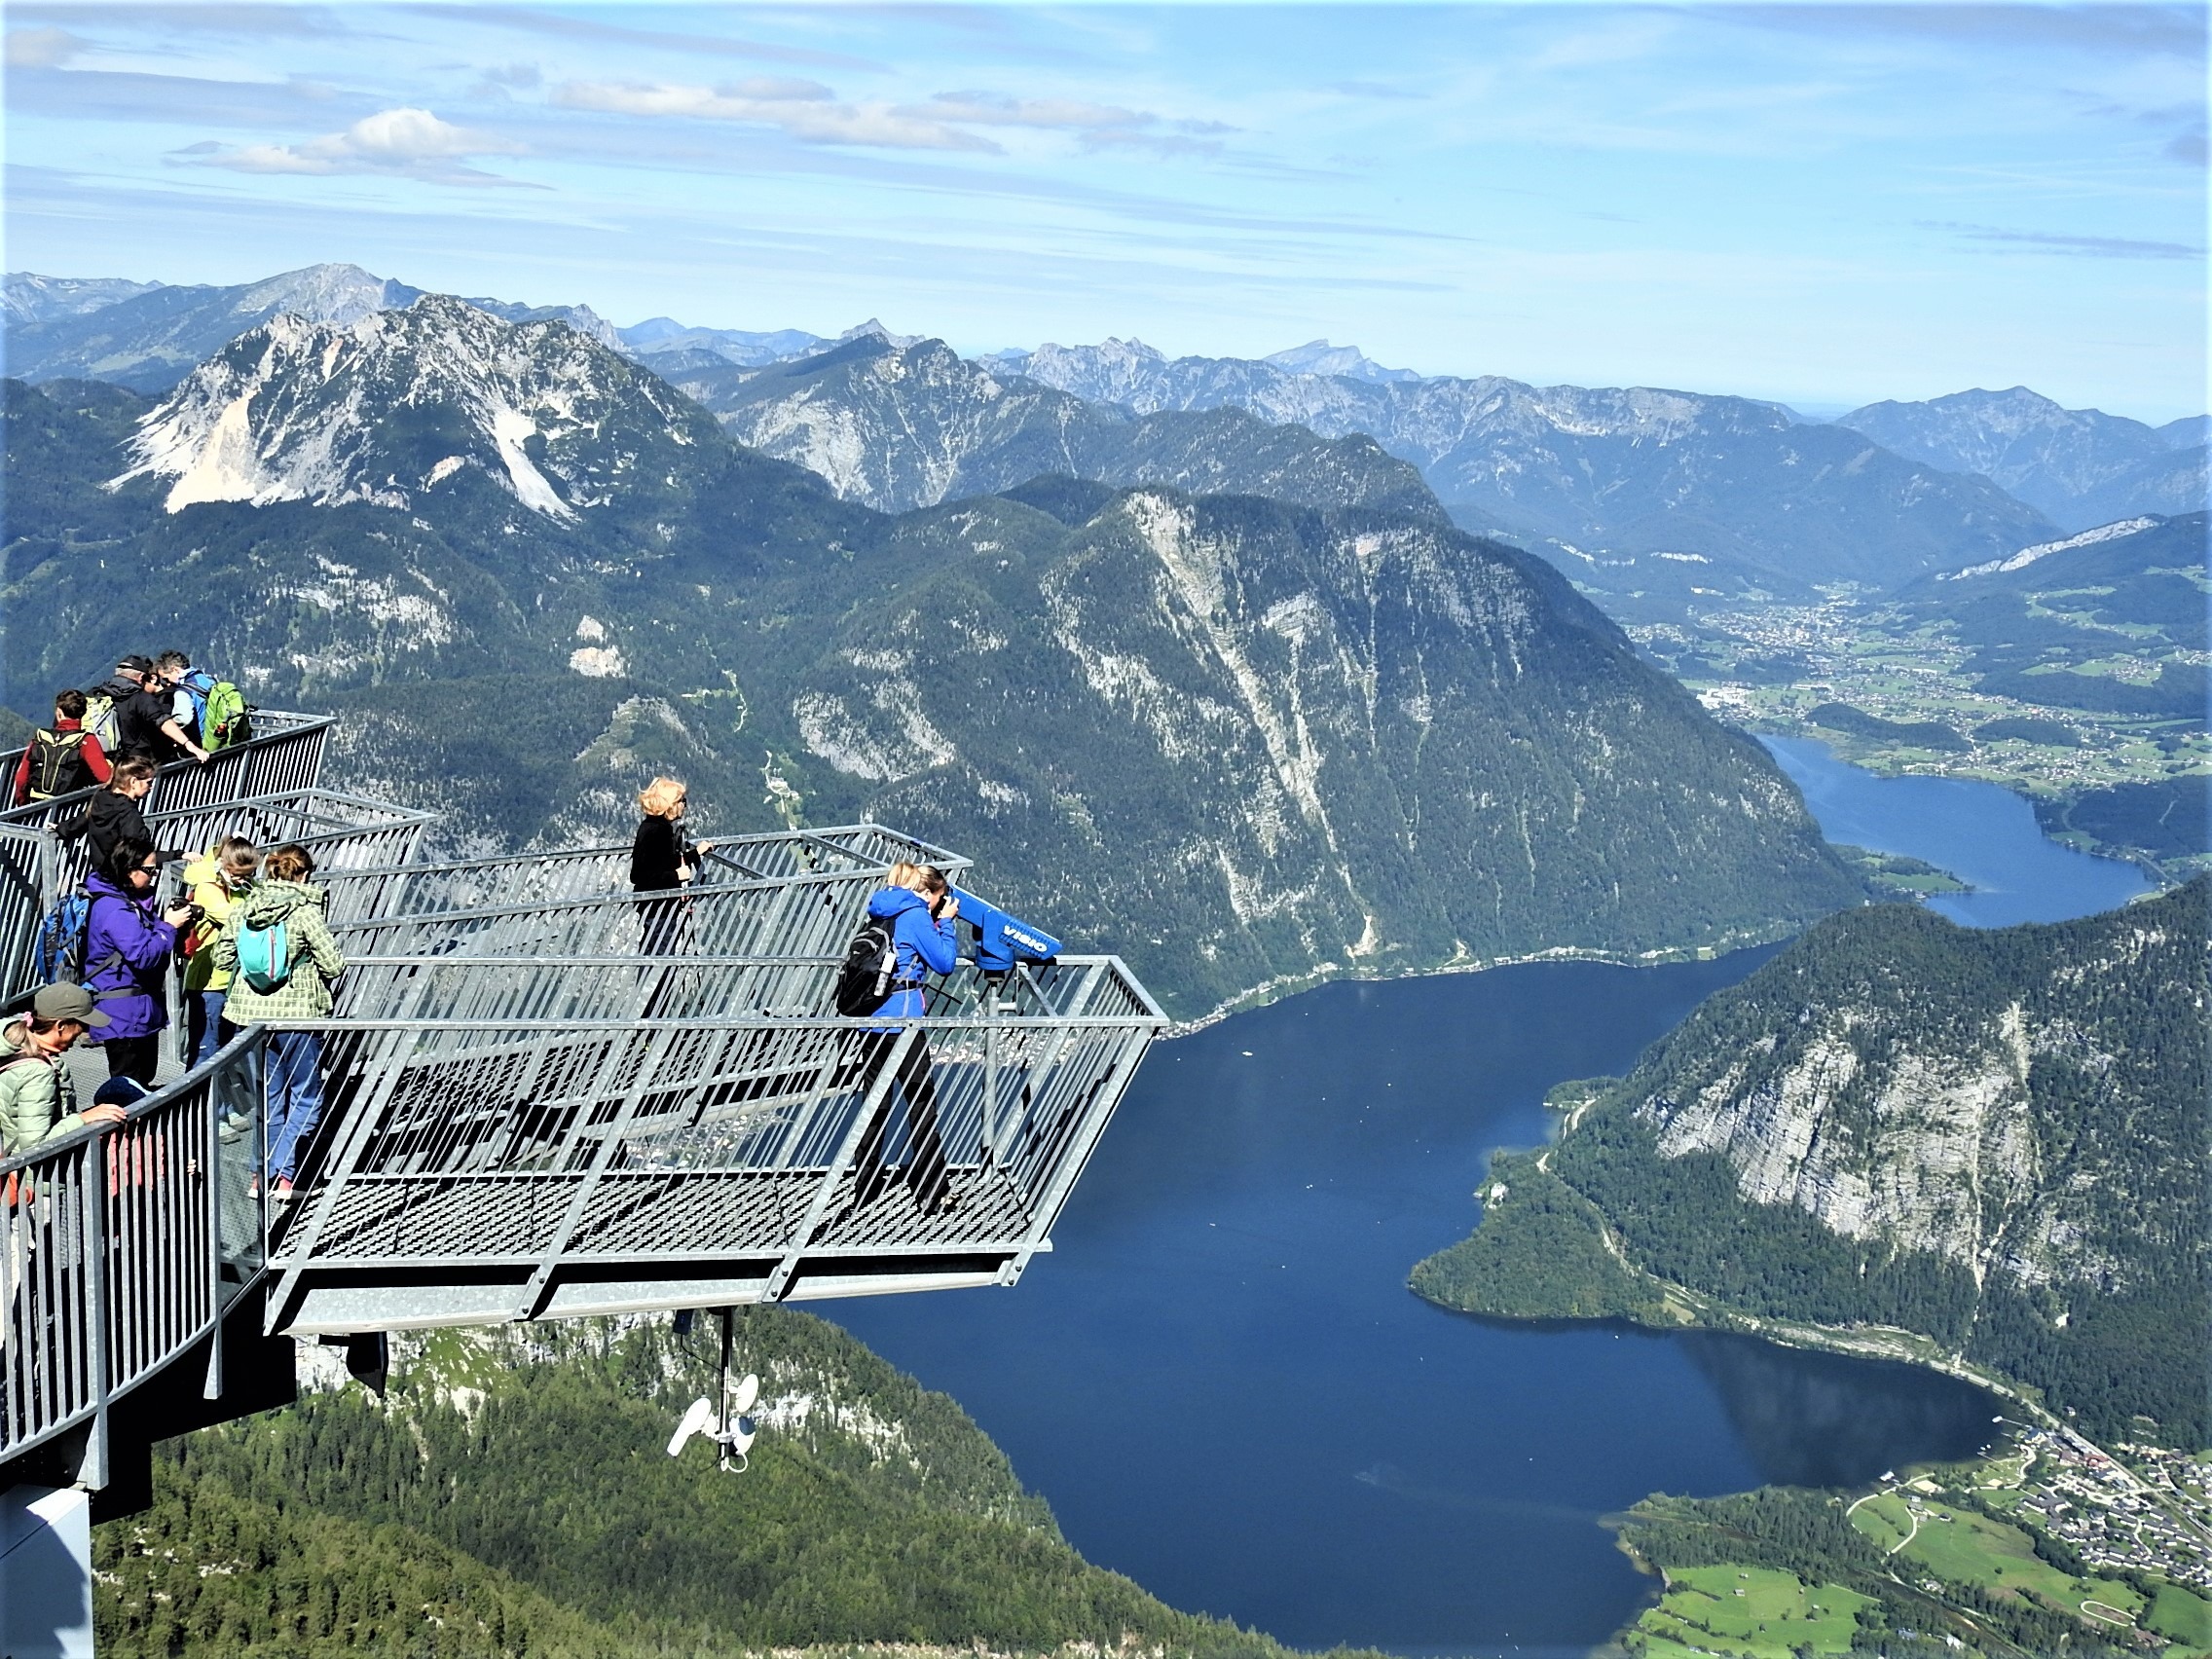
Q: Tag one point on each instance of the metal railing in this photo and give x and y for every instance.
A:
(611, 1143)
(283, 757)
(524, 879)
(122, 1248)
(806, 915)
(342, 830)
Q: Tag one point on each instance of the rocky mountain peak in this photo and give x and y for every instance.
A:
(1319, 357)
(324, 293)
(874, 329)
(394, 404)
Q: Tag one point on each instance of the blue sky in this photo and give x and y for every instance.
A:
(1822, 203)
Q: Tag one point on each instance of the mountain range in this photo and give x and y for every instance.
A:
(2080, 467)
(1570, 471)
(909, 426)
(1627, 470)
(1318, 739)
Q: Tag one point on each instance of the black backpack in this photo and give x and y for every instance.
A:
(57, 764)
(872, 961)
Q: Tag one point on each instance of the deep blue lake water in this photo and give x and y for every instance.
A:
(1980, 832)
(1223, 1388)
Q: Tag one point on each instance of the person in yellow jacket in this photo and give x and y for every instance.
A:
(216, 881)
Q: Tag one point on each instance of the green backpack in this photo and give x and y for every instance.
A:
(226, 719)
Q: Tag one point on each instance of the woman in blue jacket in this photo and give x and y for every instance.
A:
(128, 946)
(921, 908)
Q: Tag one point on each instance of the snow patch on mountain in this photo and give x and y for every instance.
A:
(2027, 555)
(305, 411)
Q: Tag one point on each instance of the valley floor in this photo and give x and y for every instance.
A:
(1906, 696)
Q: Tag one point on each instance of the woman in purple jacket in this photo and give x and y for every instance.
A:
(921, 908)
(128, 946)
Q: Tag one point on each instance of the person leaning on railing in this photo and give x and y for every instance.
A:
(919, 904)
(113, 814)
(295, 988)
(661, 861)
(38, 1099)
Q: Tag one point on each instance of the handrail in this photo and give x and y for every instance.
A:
(284, 754)
(339, 829)
(549, 1148)
(806, 914)
(283, 757)
(541, 877)
(123, 1248)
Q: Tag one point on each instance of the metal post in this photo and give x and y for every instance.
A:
(781, 1277)
(533, 1300)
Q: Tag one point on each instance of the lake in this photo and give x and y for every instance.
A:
(1982, 833)
(1223, 1388)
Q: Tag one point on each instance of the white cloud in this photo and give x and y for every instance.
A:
(995, 109)
(41, 49)
(801, 108)
(405, 143)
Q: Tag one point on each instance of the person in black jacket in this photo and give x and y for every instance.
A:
(661, 861)
(112, 814)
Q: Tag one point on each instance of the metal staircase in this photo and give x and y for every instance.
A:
(526, 1118)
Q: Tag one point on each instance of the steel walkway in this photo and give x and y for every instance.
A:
(528, 1119)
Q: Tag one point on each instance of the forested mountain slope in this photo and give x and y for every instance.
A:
(2050, 624)
(1997, 1139)
(511, 1494)
(532, 573)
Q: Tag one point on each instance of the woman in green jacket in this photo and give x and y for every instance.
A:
(295, 987)
(38, 1099)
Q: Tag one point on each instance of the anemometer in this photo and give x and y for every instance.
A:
(727, 1424)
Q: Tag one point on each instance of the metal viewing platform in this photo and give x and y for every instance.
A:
(526, 1118)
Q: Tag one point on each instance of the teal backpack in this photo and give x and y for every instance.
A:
(264, 958)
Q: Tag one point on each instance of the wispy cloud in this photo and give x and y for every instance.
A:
(244, 21)
(41, 49)
(567, 27)
(2057, 243)
(803, 109)
(996, 109)
(2115, 31)
(395, 143)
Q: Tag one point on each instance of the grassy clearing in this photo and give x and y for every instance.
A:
(2181, 1617)
(1963, 1547)
(1754, 1612)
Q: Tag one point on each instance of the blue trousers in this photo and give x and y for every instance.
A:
(205, 1028)
(293, 1091)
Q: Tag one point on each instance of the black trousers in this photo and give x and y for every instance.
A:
(133, 1056)
(925, 1174)
(665, 926)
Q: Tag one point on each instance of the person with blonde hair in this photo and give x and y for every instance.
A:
(215, 881)
(661, 861)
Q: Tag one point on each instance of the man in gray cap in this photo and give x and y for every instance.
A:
(38, 1099)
